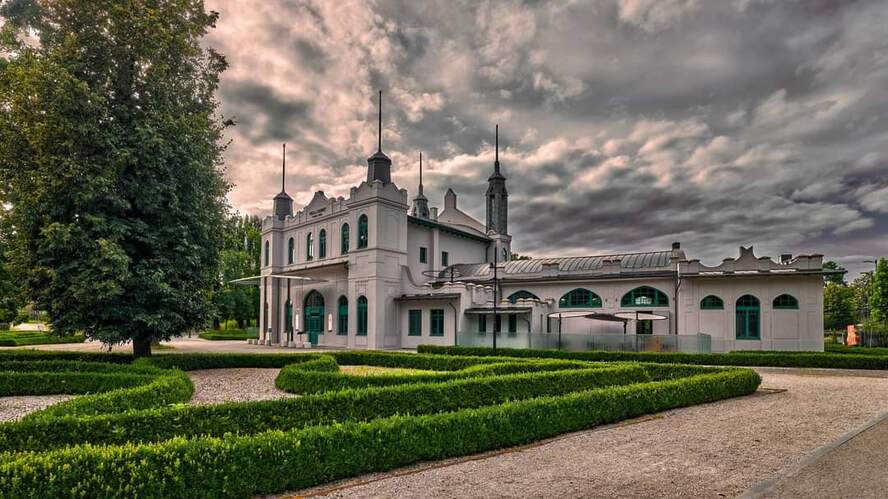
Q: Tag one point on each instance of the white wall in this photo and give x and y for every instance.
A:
(426, 339)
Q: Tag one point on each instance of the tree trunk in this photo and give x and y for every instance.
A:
(142, 346)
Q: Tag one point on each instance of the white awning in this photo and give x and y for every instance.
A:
(641, 316)
(257, 279)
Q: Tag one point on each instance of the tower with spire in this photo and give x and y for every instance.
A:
(379, 166)
(420, 202)
(283, 203)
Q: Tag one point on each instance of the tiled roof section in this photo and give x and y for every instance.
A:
(655, 260)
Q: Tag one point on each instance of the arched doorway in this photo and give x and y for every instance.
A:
(314, 316)
(748, 318)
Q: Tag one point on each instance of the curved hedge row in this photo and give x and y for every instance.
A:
(828, 360)
(141, 442)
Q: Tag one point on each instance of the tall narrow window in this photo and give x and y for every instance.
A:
(309, 247)
(291, 249)
(362, 316)
(785, 302)
(288, 326)
(482, 324)
(363, 230)
(322, 244)
(436, 322)
(342, 316)
(645, 296)
(265, 318)
(747, 318)
(423, 255)
(445, 258)
(343, 235)
(513, 324)
(267, 252)
(415, 323)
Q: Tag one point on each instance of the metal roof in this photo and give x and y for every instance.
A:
(654, 260)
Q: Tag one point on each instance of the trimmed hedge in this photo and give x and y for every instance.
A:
(24, 338)
(751, 359)
(328, 408)
(227, 335)
(31, 354)
(241, 466)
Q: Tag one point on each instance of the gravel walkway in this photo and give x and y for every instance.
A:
(212, 386)
(14, 408)
(712, 450)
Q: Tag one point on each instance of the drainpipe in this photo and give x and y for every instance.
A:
(455, 323)
(677, 288)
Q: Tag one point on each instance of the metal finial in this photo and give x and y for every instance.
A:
(420, 169)
(284, 169)
(496, 148)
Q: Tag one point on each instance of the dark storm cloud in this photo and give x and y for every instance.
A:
(626, 124)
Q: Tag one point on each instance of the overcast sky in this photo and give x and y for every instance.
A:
(624, 124)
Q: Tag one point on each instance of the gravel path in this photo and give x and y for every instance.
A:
(712, 450)
(212, 386)
(14, 408)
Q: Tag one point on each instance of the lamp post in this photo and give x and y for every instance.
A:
(495, 282)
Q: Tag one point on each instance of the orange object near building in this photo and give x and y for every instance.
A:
(853, 340)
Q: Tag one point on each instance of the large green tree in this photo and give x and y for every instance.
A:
(878, 299)
(240, 258)
(838, 277)
(838, 306)
(110, 159)
(10, 286)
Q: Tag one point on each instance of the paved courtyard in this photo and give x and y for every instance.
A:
(712, 450)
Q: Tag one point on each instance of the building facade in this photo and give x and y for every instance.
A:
(375, 271)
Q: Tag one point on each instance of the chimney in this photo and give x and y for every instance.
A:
(450, 200)
(676, 245)
(785, 258)
(434, 213)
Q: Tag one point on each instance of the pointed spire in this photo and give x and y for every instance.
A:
(420, 202)
(420, 172)
(379, 137)
(496, 154)
(284, 169)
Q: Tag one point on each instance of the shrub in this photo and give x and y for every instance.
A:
(24, 338)
(762, 359)
(240, 466)
(327, 408)
(230, 334)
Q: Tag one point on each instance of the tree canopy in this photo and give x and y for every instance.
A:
(878, 299)
(110, 161)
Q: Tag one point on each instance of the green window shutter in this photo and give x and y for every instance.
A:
(445, 259)
(362, 316)
(322, 244)
(423, 256)
(342, 319)
(437, 322)
(712, 302)
(415, 320)
(343, 244)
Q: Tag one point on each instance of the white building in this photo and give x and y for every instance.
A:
(372, 271)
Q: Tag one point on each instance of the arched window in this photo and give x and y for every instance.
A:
(342, 316)
(785, 302)
(267, 252)
(291, 250)
(748, 313)
(505, 257)
(580, 298)
(309, 247)
(363, 229)
(362, 316)
(645, 296)
(522, 295)
(343, 235)
(712, 302)
(322, 244)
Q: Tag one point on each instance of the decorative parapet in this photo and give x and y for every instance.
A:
(748, 263)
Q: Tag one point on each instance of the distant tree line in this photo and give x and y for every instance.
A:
(864, 300)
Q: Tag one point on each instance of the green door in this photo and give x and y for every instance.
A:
(748, 311)
(314, 316)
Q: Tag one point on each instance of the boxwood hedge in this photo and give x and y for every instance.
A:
(743, 358)
(142, 441)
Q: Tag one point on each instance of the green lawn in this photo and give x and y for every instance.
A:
(22, 338)
(230, 334)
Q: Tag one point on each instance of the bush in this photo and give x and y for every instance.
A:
(24, 338)
(240, 466)
(760, 359)
(328, 408)
(116, 358)
(229, 334)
